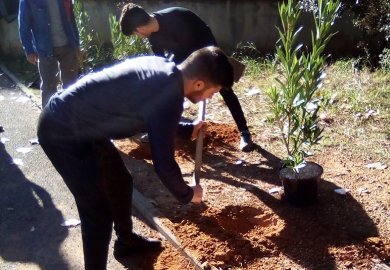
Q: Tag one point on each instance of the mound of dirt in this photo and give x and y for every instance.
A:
(217, 135)
(242, 225)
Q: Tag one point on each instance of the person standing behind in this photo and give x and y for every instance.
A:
(180, 32)
(50, 37)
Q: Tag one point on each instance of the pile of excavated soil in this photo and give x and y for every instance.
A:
(242, 225)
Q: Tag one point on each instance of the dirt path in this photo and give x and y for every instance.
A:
(241, 225)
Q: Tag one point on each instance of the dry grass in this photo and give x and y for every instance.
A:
(355, 109)
(345, 94)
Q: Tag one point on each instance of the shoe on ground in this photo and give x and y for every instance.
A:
(246, 143)
(137, 244)
(145, 137)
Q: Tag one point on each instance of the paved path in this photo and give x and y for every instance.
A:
(34, 200)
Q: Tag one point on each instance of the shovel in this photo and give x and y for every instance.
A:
(238, 70)
(199, 144)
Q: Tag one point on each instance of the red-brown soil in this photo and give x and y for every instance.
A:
(240, 225)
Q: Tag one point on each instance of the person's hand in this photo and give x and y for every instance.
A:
(197, 126)
(32, 58)
(198, 194)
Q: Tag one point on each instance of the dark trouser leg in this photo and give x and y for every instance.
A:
(48, 69)
(119, 187)
(63, 65)
(234, 106)
(100, 184)
(82, 175)
(67, 58)
(112, 203)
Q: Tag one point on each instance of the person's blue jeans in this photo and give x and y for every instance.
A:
(62, 67)
(99, 181)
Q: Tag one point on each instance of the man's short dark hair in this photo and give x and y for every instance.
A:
(133, 16)
(211, 65)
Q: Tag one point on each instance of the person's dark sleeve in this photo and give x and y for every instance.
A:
(162, 125)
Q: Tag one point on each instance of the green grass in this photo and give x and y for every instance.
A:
(345, 93)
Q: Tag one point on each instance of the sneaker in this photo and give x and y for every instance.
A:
(138, 244)
(145, 137)
(246, 143)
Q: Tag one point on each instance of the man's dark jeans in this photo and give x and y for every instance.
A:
(99, 181)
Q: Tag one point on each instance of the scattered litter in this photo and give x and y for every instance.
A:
(23, 99)
(323, 116)
(10, 209)
(376, 165)
(274, 190)
(363, 190)
(3, 140)
(253, 91)
(24, 150)
(186, 104)
(1, 98)
(367, 114)
(219, 164)
(309, 153)
(33, 141)
(342, 191)
(1, 129)
(333, 98)
(312, 106)
(372, 112)
(32, 229)
(239, 162)
(72, 222)
(17, 161)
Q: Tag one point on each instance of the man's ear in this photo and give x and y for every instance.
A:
(199, 85)
(139, 29)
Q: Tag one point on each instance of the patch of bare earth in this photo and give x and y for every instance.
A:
(241, 225)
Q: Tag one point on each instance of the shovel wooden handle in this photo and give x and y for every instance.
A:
(199, 143)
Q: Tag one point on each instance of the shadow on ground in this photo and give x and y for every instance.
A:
(30, 229)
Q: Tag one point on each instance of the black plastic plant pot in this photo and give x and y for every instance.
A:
(301, 189)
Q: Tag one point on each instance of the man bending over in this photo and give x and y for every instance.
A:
(179, 32)
(76, 127)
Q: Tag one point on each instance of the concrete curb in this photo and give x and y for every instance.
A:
(142, 204)
(27, 91)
